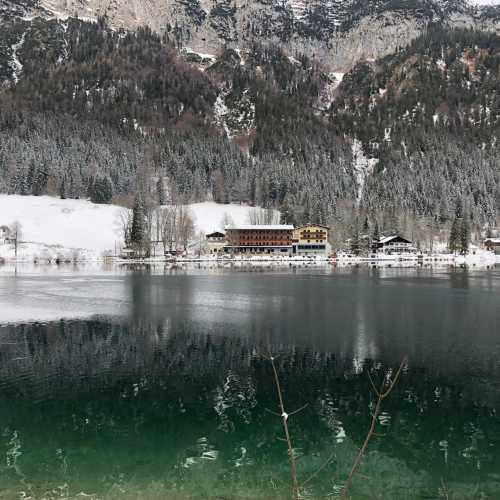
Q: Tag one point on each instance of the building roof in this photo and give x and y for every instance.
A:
(216, 234)
(259, 246)
(312, 225)
(387, 239)
(260, 227)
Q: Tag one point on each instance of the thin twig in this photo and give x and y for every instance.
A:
(395, 379)
(284, 418)
(322, 466)
(444, 490)
(381, 396)
(299, 410)
(272, 412)
(375, 390)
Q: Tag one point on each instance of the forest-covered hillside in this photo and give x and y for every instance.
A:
(90, 111)
(431, 115)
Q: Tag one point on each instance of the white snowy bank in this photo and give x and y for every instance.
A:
(52, 227)
(70, 229)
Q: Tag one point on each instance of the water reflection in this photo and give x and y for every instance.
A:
(171, 398)
(365, 313)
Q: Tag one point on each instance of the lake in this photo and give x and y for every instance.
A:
(152, 383)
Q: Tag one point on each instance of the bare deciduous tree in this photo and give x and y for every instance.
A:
(258, 216)
(185, 226)
(382, 393)
(124, 223)
(226, 220)
(168, 227)
(15, 235)
(386, 387)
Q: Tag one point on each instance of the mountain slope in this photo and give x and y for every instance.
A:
(398, 139)
(337, 32)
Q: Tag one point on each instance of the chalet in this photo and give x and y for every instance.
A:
(259, 239)
(394, 244)
(493, 245)
(133, 253)
(4, 234)
(310, 240)
(216, 242)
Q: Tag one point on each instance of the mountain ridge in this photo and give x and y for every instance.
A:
(337, 32)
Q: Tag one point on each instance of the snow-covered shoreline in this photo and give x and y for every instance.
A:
(69, 230)
(64, 231)
(52, 228)
(479, 259)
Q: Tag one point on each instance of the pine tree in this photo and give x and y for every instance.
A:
(454, 236)
(376, 232)
(366, 226)
(101, 190)
(284, 213)
(464, 237)
(375, 236)
(160, 190)
(459, 232)
(355, 243)
(30, 178)
(138, 230)
(40, 182)
(62, 189)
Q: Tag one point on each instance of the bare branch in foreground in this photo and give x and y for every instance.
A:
(284, 418)
(381, 394)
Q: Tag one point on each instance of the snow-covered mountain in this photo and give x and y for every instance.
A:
(337, 32)
(284, 104)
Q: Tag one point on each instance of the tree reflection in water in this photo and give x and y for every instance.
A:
(161, 406)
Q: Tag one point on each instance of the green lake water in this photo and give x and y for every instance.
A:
(153, 384)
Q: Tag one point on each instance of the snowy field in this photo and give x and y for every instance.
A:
(67, 223)
(53, 227)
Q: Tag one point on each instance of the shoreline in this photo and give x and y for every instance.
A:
(484, 258)
(479, 259)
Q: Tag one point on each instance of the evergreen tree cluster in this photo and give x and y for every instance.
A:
(100, 189)
(88, 70)
(459, 232)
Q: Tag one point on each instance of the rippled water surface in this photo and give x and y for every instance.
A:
(153, 383)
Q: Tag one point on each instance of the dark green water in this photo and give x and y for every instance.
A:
(160, 391)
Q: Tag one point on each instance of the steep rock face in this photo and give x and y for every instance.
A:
(338, 32)
(16, 8)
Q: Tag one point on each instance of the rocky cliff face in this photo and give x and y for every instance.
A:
(338, 32)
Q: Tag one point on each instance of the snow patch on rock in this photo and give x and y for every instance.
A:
(362, 166)
(239, 117)
(199, 57)
(482, 3)
(298, 8)
(338, 77)
(16, 64)
(221, 111)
